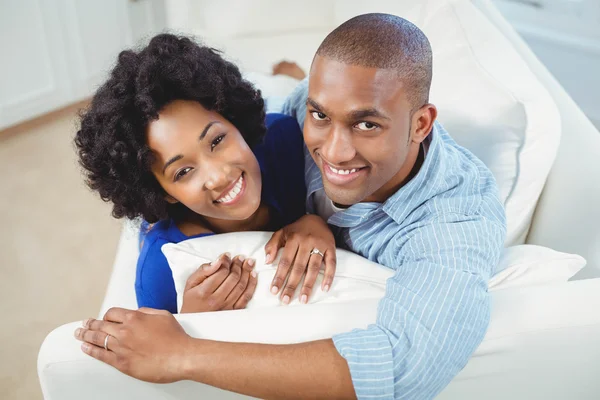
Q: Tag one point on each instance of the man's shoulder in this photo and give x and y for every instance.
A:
(453, 182)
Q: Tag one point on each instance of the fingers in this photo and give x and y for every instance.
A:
(97, 338)
(330, 267)
(213, 282)
(206, 270)
(241, 286)
(235, 274)
(108, 357)
(245, 298)
(287, 258)
(298, 268)
(273, 245)
(314, 266)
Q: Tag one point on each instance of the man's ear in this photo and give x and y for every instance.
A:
(422, 122)
(170, 199)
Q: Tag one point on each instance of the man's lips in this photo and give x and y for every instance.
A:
(343, 176)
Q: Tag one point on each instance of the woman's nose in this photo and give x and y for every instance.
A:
(217, 176)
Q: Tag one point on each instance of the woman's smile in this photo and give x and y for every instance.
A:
(233, 193)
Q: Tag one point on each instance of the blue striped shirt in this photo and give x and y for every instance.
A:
(442, 233)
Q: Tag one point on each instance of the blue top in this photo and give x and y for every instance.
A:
(442, 233)
(281, 159)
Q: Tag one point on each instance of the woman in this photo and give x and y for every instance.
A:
(177, 136)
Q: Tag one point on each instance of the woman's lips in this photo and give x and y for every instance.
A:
(233, 193)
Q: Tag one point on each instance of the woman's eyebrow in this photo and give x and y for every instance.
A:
(206, 128)
(171, 161)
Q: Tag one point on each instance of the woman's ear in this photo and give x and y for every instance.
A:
(170, 199)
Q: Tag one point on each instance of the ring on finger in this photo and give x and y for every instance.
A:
(317, 251)
(106, 342)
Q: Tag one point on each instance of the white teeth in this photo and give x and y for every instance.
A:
(343, 171)
(233, 193)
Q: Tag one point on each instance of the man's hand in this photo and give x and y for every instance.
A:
(224, 284)
(299, 239)
(147, 344)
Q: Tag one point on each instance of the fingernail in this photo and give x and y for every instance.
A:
(286, 299)
(77, 332)
(326, 288)
(253, 273)
(304, 299)
(268, 259)
(85, 347)
(228, 254)
(251, 262)
(85, 323)
(274, 289)
(242, 258)
(212, 264)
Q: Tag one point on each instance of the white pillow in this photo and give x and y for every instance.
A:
(528, 265)
(356, 277)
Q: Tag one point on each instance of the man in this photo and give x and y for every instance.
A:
(396, 189)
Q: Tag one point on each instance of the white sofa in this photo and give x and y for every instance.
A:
(543, 341)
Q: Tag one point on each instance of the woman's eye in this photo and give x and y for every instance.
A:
(181, 173)
(216, 141)
(319, 116)
(366, 126)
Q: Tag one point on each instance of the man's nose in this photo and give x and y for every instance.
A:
(338, 148)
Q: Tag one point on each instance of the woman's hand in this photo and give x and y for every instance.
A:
(224, 284)
(147, 344)
(301, 240)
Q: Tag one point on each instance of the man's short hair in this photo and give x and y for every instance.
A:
(388, 42)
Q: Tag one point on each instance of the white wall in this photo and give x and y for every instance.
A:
(56, 52)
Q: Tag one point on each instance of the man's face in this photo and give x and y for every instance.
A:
(358, 130)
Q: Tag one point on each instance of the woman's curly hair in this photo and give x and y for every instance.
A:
(112, 143)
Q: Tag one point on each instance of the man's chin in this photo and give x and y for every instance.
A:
(344, 198)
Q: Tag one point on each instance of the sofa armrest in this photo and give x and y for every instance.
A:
(541, 343)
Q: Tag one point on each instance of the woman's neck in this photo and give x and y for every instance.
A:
(195, 224)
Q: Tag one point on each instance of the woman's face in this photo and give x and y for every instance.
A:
(203, 162)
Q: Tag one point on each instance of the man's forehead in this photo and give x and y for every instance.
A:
(335, 84)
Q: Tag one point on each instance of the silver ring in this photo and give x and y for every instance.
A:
(316, 251)
(106, 342)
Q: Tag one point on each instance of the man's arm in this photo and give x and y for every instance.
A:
(301, 371)
(435, 311)
(434, 315)
(151, 345)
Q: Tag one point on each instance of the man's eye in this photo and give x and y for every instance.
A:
(216, 141)
(366, 126)
(181, 173)
(319, 116)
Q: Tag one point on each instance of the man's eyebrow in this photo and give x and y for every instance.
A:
(315, 105)
(206, 128)
(171, 161)
(367, 112)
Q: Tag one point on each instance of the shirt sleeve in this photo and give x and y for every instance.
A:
(154, 285)
(295, 103)
(435, 311)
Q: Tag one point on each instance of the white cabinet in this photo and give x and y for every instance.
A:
(56, 52)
